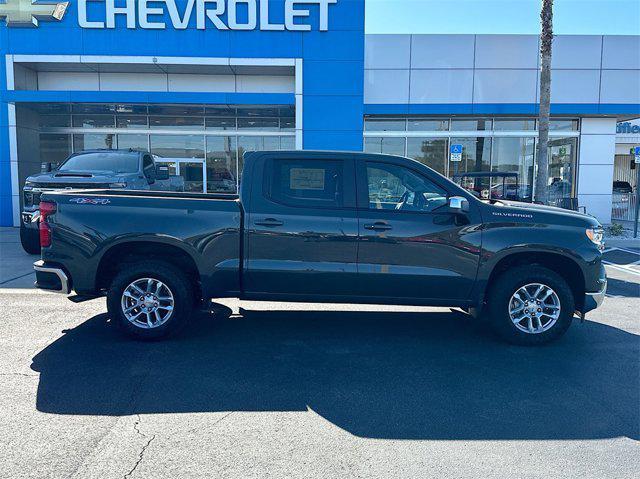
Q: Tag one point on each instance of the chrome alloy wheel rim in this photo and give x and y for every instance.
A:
(147, 303)
(534, 308)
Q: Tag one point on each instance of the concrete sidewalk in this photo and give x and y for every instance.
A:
(16, 266)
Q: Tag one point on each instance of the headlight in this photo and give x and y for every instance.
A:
(117, 185)
(28, 185)
(596, 235)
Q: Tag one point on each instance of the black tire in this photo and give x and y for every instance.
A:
(30, 239)
(512, 280)
(179, 285)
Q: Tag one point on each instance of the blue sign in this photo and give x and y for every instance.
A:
(637, 151)
(455, 149)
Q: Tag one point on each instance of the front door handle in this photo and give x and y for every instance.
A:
(378, 226)
(269, 222)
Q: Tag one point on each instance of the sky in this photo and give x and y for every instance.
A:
(571, 17)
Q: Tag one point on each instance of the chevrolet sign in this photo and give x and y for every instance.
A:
(27, 13)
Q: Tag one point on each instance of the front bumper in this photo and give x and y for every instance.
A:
(51, 278)
(594, 300)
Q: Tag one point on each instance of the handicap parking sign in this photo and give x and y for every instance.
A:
(456, 152)
(637, 154)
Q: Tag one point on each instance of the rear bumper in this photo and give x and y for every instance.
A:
(594, 300)
(51, 278)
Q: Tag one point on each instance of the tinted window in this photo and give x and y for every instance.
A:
(115, 162)
(393, 187)
(312, 183)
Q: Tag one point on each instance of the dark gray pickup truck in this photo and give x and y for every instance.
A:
(323, 227)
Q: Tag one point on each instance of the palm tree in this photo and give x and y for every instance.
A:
(546, 39)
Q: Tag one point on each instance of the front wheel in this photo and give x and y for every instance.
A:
(150, 300)
(530, 305)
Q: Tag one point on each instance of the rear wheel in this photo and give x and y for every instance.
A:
(30, 239)
(150, 300)
(530, 305)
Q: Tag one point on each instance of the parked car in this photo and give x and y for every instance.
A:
(128, 169)
(323, 227)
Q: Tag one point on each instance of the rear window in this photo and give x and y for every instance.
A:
(307, 183)
(113, 162)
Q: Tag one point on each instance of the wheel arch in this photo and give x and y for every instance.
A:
(561, 264)
(126, 252)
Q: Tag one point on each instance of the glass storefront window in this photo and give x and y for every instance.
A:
(476, 155)
(562, 161)
(94, 141)
(390, 146)
(176, 122)
(93, 108)
(177, 146)
(429, 151)
(287, 124)
(264, 124)
(514, 124)
(193, 176)
(221, 164)
(428, 125)
(55, 121)
(93, 121)
(384, 124)
(563, 125)
(220, 123)
(131, 122)
(54, 147)
(480, 124)
(177, 110)
(134, 142)
(515, 155)
(287, 142)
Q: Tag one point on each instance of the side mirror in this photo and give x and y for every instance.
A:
(162, 172)
(459, 204)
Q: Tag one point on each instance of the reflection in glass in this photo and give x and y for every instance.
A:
(562, 160)
(54, 147)
(134, 142)
(221, 164)
(515, 124)
(515, 155)
(384, 124)
(428, 125)
(59, 121)
(265, 124)
(177, 122)
(429, 151)
(137, 121)
(389, 146)
(480, 124)
(287, 142)
(93, 121)
(220, 123)
(563, 125)
(178, 146)
(94, 141)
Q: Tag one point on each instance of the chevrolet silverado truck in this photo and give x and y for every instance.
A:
(129, 169)
(323, 227)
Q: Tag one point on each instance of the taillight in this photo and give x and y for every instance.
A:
(46, 209)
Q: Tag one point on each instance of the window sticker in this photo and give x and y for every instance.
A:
(306, 179)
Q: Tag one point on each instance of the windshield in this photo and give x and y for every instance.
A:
(116, 162)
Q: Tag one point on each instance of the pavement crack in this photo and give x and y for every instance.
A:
(144, 448)
(26, 375)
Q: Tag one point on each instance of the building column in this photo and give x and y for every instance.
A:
(595, 166)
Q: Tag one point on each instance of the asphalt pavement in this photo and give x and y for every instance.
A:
(311, 390)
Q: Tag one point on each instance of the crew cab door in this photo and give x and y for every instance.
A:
(301, 226)
(412, 245)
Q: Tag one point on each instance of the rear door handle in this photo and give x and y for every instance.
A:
(378, 226)
(269, 222)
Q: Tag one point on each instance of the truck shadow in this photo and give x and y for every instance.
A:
(376, 375)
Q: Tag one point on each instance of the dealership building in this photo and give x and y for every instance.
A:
(199, 82)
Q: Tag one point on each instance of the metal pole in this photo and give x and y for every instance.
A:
(635, 222)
